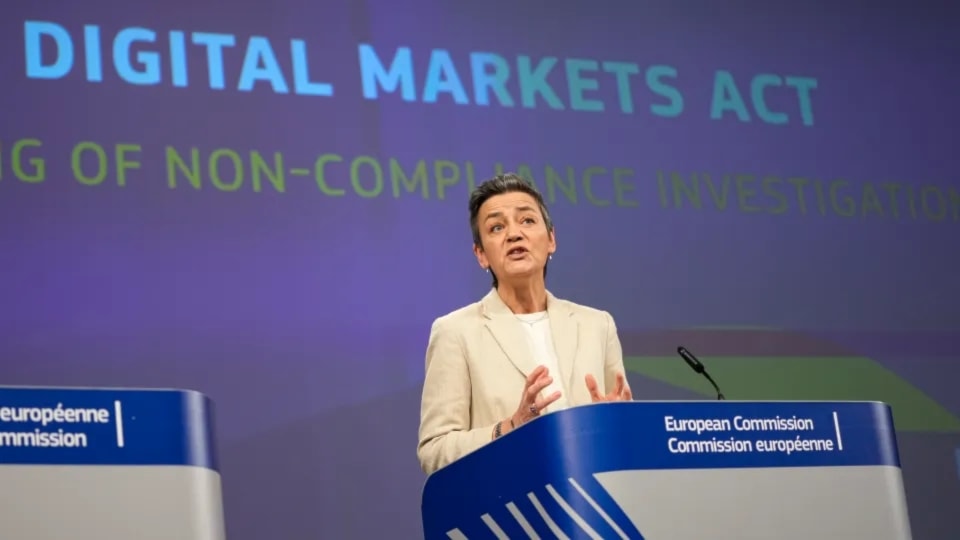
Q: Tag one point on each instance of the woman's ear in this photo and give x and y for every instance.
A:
(481, 257)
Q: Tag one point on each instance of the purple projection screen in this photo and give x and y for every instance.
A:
(266, 202)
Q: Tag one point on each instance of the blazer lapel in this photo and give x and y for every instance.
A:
(565, 329)
(502, 324)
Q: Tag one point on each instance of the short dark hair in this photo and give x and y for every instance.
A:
(498, 185)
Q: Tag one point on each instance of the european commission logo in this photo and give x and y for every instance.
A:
(571, 509)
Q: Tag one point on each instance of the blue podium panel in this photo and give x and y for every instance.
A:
(680, 470)
(108, 464)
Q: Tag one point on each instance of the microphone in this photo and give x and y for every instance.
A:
(698, 367)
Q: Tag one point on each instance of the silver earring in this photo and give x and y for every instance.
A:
(550, 257)
(487, 269)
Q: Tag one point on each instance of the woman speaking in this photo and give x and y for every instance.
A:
(519, 352)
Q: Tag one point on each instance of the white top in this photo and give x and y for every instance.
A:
(536, 327)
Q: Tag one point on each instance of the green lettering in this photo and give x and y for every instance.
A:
(771, 187)
(845, 205)
(175, 163)
(447, 174)
(800, 184)
(662, 190)
(39, 172)
(940, 212)
(911, 200)
(681, 191)
(123, 164)
(720, 198)
(621, 187)
(527, 174)
(588, 175)
(213, 169)
(553, 181)
(398, 177)
(746, 192)
(76, 163)
(821, 197)
(377, 177)
(954, 203)
(870, 202)
(319, 175)
(471, 177)
(892, 189)
(275, 175)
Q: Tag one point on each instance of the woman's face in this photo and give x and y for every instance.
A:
(514, 237)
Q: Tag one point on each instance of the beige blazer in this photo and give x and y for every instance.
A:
(478, 359)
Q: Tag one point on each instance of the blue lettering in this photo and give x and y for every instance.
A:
(33, 32)
(93, 54)
(726, 97)
(178, 58)
(622, 71)
(533, 82)
(757, 86)
(657, 86)
(442, 77)
(301, 73)
(372, 73)
(214, 44)
(136, 64)
(148, 61)
(578, 84)
(803, 86)
(496, 81)
(260, 64)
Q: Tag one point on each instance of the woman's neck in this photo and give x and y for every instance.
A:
(529, 297)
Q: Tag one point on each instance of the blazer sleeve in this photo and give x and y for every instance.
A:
(613, 358)
(445, 433)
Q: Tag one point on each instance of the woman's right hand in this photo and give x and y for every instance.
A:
(531, 402)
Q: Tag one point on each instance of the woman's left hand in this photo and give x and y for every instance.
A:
(620, 392)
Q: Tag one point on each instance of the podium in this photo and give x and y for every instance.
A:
(684, 470)
(109, 464)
